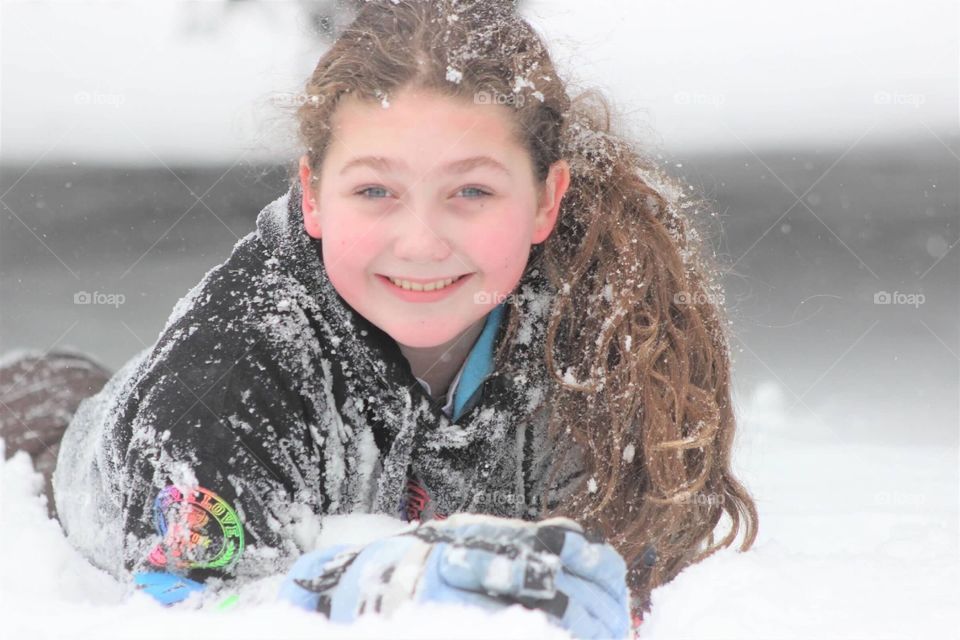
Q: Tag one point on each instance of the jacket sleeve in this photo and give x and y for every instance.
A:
(197, 458)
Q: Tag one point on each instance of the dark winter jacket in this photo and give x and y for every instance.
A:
(268, 402)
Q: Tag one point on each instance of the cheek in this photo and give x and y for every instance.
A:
(350, 243)
(503, 246)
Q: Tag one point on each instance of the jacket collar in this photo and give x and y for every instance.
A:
(479, 362)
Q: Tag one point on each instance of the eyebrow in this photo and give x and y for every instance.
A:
(457, 166)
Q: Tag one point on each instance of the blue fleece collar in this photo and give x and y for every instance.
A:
(479, 361)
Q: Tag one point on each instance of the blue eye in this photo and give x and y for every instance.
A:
(362, 192)
(478, 193)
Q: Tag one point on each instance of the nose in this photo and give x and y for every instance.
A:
(419, 239)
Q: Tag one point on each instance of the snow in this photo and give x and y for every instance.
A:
(52, 577)
(454, 75)
(592, 485)
(519, 82)
(499, 574)
(589, 557)
(857, 540)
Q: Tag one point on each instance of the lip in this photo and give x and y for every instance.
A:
(423, 296)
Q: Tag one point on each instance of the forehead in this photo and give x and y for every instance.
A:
(418, 123)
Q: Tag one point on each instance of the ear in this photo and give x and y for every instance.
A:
(548, 207)
(311, 216)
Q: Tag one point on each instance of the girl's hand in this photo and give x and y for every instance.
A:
(477, 560)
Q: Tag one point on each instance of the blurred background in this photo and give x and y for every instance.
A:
(139, 141)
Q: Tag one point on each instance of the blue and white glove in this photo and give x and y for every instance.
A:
(485, 561)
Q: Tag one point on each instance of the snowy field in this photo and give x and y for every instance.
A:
(855, 542)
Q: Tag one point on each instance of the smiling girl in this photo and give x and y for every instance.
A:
(427, 211)
(473, 299)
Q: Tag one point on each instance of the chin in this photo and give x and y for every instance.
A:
(425, 332)
(420, 338)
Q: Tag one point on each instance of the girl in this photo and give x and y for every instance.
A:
(474, 298)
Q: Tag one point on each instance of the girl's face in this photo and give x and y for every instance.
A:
(427, 189)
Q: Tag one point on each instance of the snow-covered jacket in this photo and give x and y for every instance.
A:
(267, 402)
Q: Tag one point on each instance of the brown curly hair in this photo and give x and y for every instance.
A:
(641, 372)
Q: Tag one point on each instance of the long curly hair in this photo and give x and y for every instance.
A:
(636, 344)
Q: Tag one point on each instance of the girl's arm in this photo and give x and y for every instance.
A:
(198, 455)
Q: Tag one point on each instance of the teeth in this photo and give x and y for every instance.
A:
(430, 286)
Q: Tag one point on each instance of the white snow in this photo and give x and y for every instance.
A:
(592, 485)
(589, 556)
(454, 75)
(47, 590)
(499, 574)
(857, 540)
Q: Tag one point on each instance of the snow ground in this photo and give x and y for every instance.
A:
(856, 541)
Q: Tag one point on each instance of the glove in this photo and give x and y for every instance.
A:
(577, 581)
(166, 588)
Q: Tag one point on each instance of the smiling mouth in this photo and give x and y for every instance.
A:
(431, 285)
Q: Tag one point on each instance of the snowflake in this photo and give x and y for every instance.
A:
(454, 75)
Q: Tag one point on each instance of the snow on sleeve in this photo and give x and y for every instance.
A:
(88, 503)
